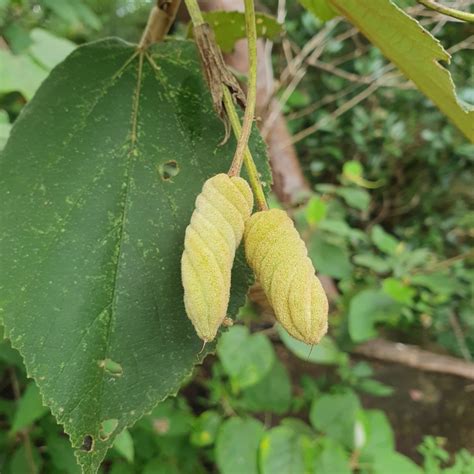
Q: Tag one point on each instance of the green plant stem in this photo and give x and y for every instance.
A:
(452, 12)
(243, 139)
(194, 12)
(247, 158)
(197, 20)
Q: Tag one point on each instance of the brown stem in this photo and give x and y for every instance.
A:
(413, 356)
(159, 22)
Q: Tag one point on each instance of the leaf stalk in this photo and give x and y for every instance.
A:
(251, 89)
(242, 152)
(452, 12)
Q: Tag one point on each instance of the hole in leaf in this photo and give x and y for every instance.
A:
(107, 427)
(168, 170)
(87, 443)
(114, 368)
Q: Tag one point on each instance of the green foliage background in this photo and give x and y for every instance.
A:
(388, 217)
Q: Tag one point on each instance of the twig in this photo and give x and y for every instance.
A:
(198, 21)
(243, 138)
(308, 49)
(337, 113)
(324, 101)
(159, 22)
(458, 332)
(452, 12)
(445, 263)
(413, 356)
(280, 103)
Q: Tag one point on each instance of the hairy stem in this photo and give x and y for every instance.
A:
(247, 157)
(452, 12)
(251, 89)
(198, 20)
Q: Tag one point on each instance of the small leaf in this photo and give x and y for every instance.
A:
(341, 228)
(383, 241)
(171, 418)
(74, 14)
(374, 387)
(126, 468)
(19, 73)
(355, 197)
(281, 451)
(123, 444)
(352, 169)
(330, 259)
(25, 460)
(436, 282)
(335, 415)
(205, 428)
(382, 21)
(298, 426)
(380, 437)
(366, 309)
(237, 446)
(319, 8)
(391, 462)
(316, 210)
(326, 352)
(270, 394)
(331, 458)
(229, 27)
(246, 358)
(398, 291)
(48, 49)
(61, 454)
(375, 263)
(30, 408)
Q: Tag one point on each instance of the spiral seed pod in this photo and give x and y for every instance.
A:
(278, 256)
(211, 239)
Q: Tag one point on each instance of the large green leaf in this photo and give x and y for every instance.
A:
(97, 184)
(414, 51)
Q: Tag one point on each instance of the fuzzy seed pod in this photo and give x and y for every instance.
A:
(278, 256)
(212, 237)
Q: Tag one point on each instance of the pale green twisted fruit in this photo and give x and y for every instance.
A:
(278, 256)
(211, 239)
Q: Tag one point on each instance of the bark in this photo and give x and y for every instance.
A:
(413, 356)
